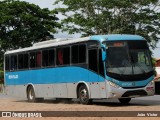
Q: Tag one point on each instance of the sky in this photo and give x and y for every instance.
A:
(49, 4)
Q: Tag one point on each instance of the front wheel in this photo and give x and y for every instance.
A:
(84, 95)
(124, 100)
(31, 94)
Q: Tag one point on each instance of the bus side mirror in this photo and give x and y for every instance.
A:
(104, 53)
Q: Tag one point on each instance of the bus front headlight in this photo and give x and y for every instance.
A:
(113, 84)
(150, 86)
(151, 83)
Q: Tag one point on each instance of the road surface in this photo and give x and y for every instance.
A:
(152, 103)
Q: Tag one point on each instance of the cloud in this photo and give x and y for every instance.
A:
(42, 3)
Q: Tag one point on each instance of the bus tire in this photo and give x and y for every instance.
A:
(84, 95)
(124, 100)
(31, 94)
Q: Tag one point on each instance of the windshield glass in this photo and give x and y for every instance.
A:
(128, 58)
(141, 60)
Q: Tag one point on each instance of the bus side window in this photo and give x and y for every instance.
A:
(45, 58)
(51, 60)
(93, 60)
(74, 50)
(48, 57)
(20, 61)
(14, 62)
(7, 63)
(32, 60)
(78, 54)
(59, 56)
(66, 55)
(38, 59)
(25, 61)
(82, 53)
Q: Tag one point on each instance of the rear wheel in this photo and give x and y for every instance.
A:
(84, 95)
(124, 100)
(31, 94)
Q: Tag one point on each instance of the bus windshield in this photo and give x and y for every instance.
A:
(128, 58)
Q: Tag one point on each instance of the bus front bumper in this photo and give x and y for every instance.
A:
(115, 91)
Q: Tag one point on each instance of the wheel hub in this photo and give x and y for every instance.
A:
(30, 95)
(83, 94)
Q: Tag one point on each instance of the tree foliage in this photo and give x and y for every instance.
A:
(1, 77)
(91, 17)
(22, 24)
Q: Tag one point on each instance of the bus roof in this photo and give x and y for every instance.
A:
(115, 37)
(50, 43)
(58, 42)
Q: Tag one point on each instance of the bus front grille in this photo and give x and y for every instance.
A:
(134, 93)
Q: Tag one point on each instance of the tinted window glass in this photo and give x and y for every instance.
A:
(78, 54)
(93, 60)
(137, 45)
(82, 54)
(7, 63)
(32, 60)
(25, 60)
(51, 59)
(45, 58)
(75, 54)
(59, 53)
(14, 62)
(39, 59)
(66, 55)
(20, 61)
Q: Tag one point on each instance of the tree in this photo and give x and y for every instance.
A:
(91, 17)
(1, 78)
(22, 24)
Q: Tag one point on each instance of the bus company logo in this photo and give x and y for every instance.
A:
(129, 84)
(133, 84)
(6, 114)
(13, 76)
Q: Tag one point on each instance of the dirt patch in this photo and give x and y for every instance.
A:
(10, 104)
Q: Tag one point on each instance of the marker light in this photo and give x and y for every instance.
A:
(113, 84)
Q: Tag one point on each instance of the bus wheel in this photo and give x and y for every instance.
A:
(83, 95)
(124, 100)
(31, 94)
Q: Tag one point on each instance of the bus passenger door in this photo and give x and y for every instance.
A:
(93, 76)
(101, 72)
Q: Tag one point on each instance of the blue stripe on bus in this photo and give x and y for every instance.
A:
(63, 75)
(52, 75)
(131, 83)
